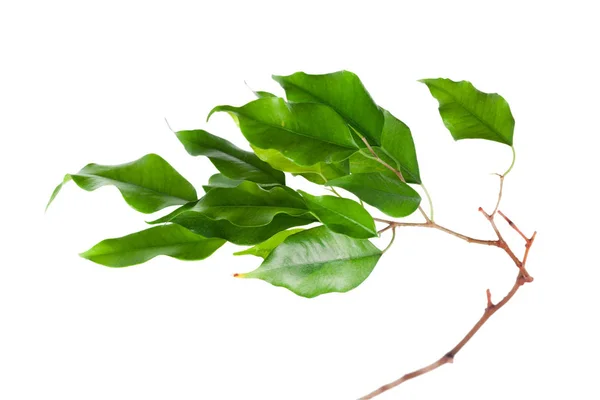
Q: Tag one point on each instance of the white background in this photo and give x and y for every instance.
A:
(92, 81)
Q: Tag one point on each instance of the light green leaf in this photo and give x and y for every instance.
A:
(306, 133)
(229, 159)
(220, 180)
(265, 248)
(364, 162)
(147, 185)
(318, 261)
(318, 173)
(397, 142)
(341, 215)
(169, 240)
(262, 94)
(392, 196)
(344, 92)
(471, 114)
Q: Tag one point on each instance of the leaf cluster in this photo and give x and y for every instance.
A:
(328, 130)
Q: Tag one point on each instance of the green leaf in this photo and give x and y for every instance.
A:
(341, 215)
(363, 162)
(306, 133)
(265, 248)
(262, 94)
(169, 240)
(471, 114)
(397, 142)
(250, 204)
(147, 185)
(246, 214)
(318, 173)
(205, 226)
(344, 92)
(229, 159)
(220, 180)
(318, 261)
(392, 196)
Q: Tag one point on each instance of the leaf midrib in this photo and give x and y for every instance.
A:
(163, 194)
(283, 128)
(319, 264)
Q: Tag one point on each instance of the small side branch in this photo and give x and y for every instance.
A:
(490, 309)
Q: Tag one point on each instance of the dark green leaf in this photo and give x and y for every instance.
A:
(341, 215)
(318, 173)
(397, 142)
(318, 261)
(229, 159)
(344, 92)
(471, 114)
(169, 240)
(265, 248)
(205, 226)
(148, 184)
(392, 196)
(220, 180)
(249, 204)
(306, 133)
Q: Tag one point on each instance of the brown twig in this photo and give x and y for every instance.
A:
(491, 308)
(522, 278)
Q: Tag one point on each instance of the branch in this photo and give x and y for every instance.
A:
(394, 170)
(491, 308)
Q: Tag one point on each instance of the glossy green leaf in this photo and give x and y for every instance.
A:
(220, 180)
(262, 94)
(169, 240)
(229, 159)
(306, 133)
(364, 162)
(265, 248)
(344, 92)
(318, 173)
(392, 196)
(397, 142)
(205, 226)
(318, 261)
(341, 215)
(148, 184)
(249, 204)
(471, 114)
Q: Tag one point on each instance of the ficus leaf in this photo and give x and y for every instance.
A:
(169, 240)
(265, 248)
(306, 133)
(318, 173)
(318, 261)
(392, 196)
(397, 142)
(249, 204)
(471, 114)
(220, 180)
(344, 92)
(341, 215)
(364, 162)
(205, 226)
(229, 159)
(147, 185)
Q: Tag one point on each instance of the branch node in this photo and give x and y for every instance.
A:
(449, 358)
(490, 304)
